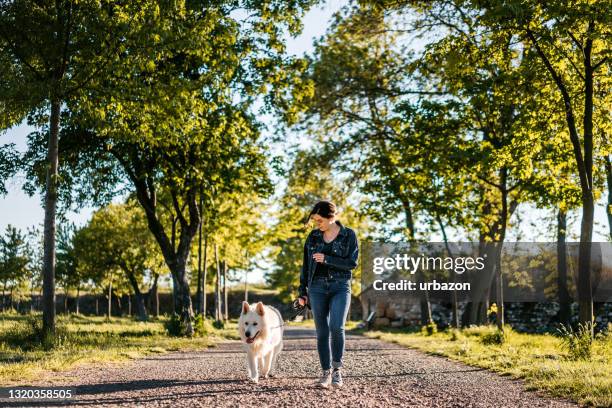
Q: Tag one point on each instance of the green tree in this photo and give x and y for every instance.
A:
(240, 229)
(557, 188)
(117, 238)
(287, 235)
(14, 262)
(50, 51)
(66, 268)
(35, 240)
(186, 127)
(357, 79)
(9, 160)
(362, 107)
(571, 41)
(451, 135)
(492, 80)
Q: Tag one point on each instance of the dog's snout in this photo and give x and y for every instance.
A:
(248, 333)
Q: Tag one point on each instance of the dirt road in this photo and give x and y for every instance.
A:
(376, 374)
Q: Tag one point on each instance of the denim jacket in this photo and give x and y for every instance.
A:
(344, 259)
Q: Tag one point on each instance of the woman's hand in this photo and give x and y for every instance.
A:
(319, 257)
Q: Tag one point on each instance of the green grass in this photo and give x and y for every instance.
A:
(540, 359)
(89, 340)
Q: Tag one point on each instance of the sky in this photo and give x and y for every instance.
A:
(22, 211)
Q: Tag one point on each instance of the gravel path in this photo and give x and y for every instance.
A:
(377, 374)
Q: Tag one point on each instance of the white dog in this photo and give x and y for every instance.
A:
(261, 330)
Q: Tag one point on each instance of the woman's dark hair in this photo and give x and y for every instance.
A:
(325, 209)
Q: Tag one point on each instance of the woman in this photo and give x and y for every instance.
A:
(330, 255)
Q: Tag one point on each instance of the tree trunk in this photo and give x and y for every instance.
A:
(585, 293)
(184, 296)
(148, 300)
(585, 290)
(32, 294)
(492, 251)
(49, 221)
(199, 288)
(217, 291)
(151, 293)
(156, 302)
(203, 292)
(584, 165)
(177, 262)
(110, 298)
(97, 307)
(175, 256)
(140, 304)
(455, 308)
(564, 298)
(476, 311)
(77, 299)
(225, 306)
(499, 315)
(426, 317)
(246, 285)
(424, 304)
(175, 296)
(608, 166)
(175, 286)
(65, 302)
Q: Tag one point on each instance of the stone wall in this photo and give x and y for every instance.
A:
(523, 317)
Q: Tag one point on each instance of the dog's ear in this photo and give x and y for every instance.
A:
(260, 308)
(245, 307)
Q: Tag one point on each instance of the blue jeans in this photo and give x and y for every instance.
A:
(330, 299)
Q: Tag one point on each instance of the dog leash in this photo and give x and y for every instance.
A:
(296, 306)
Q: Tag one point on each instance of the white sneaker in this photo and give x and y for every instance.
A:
(336, 378)
(325, 379)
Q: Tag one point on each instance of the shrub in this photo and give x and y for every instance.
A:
(605, 334)
(495, 337)
(455, 334)
(29, 335)
(174, 326)
(201, 326)
(492, 313)
(429, 329)
(464, 349)
(578, 343)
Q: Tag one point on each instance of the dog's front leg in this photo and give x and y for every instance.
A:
(267, 365)
(275, 354)
(253, 373)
